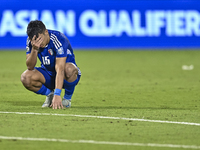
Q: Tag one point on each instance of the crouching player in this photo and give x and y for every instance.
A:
(58, 67)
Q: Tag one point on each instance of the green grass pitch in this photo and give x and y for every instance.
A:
(130, 84)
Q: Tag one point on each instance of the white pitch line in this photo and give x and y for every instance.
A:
(101, 142)
(102, 117)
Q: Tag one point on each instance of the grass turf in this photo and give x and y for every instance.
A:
(135, 84)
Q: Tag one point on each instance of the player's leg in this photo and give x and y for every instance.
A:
(35, 80)
(72, 77)
(32, 80)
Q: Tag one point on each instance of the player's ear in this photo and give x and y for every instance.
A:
(46, 31)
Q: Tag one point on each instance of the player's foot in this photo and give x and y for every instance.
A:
(48, 100)
(66, 103)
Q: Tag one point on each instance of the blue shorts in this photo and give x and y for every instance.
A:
(50, 80)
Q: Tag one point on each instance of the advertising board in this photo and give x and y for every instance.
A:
(105, 24)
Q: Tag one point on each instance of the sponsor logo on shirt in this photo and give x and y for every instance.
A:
(69, 52)
(60, 51)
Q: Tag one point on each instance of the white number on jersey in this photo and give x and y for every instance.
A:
(46, 60)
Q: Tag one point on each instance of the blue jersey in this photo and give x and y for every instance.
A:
(58, 46)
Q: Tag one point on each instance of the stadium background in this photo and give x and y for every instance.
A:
(91, 24)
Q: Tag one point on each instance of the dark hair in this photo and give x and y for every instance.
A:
(34, 28)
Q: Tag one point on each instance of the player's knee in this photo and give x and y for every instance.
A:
(26, 79)
(70, 70)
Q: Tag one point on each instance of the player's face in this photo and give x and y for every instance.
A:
(45, 37)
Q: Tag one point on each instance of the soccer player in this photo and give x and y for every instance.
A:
(58, 67)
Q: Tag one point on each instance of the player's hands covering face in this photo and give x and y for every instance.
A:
(36, 42)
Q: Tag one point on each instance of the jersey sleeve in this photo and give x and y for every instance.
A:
(61, 52)
(61, 44)
(28, 46)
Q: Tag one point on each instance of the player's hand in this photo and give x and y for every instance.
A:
(56, 102)
(36, 42)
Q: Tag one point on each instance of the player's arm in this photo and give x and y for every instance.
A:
(60, 70)
(31, 59)
(60, 67)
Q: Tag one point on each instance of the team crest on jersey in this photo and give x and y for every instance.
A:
(50, 51)
(60, 51)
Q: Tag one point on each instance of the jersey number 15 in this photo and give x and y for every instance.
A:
(46, 60)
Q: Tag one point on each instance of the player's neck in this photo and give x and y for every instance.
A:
(48, 39)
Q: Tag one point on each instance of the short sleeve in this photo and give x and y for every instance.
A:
(62, 50)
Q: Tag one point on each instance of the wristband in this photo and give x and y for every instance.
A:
(57, 92)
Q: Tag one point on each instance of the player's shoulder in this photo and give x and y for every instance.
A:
(28, 41)
(56, 35)
(57, 38)
(28, 46)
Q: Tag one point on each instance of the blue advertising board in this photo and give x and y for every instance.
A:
(105, 24)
